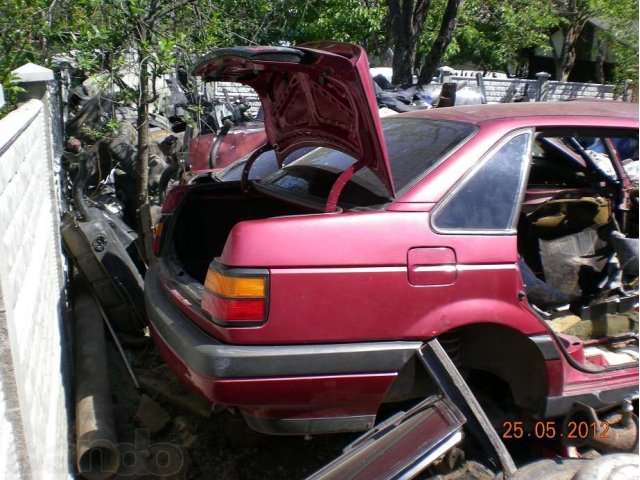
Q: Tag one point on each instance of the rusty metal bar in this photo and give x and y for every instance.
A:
(97, 457)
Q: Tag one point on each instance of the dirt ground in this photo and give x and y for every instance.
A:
(166, 431)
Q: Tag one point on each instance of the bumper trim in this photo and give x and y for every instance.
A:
(213, 358)
(310, 426)
(559, 406)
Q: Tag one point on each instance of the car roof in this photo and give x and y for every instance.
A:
(480, 114)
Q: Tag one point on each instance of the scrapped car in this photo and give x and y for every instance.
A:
(213, 151)
(508, 232)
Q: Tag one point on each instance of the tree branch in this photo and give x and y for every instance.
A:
(151, 19)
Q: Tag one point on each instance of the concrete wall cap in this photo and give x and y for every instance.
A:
(31, 72)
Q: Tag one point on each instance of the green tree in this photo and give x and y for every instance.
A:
(355, 21)
(573, 16)
(144, 36)
(440, 44)
(619, 34)
(490, 33)
(493, 34)
(618, 30)
(23, 27)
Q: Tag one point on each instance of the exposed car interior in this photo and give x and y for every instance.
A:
(578, 244)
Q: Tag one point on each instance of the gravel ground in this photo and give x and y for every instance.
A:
(166, 431)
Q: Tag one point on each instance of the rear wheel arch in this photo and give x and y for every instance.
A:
(494, 349)
(509, 355)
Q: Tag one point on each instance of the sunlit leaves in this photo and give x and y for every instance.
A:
(492, 34)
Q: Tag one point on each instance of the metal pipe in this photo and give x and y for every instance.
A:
(97, 457)
(116, 340)
(617, 432)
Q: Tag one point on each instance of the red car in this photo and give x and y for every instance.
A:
(506, 231)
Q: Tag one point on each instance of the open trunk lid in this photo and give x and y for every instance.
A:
(314, 95)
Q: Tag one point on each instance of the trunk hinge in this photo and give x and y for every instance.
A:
(244, 178)
(338, 186)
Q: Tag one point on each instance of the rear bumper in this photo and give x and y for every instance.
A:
(281, 389)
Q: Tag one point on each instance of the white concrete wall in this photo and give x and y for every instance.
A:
(505, 89)
(33, 355)
(570, 90)
(235, 90)
(499, 90)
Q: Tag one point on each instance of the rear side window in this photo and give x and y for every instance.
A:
(487, 199)
(414, 146)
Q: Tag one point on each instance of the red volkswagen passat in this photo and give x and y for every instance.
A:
(509, 232)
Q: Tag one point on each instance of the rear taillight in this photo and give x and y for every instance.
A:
(235, 297)
(157, 235)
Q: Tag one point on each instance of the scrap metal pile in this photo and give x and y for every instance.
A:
(101, 235)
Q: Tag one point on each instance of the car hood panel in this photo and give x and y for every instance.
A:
(314, 95)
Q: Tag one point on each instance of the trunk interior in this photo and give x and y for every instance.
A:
(207, 215)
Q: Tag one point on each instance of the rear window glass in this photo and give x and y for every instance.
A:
(415, 146)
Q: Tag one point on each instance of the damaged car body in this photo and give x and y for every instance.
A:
(301, 299)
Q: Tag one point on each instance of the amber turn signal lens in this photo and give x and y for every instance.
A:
(235, 287)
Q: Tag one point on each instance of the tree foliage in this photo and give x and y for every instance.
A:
(439, 45)
(489, 34)
(23, 28)
(616, 29)
(358, 21)
(493, 34)
(622, 39)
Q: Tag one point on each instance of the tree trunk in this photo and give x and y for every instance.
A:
(447, 27)
(143, 128)
(600, 62)
(407, 21)
(566, 60)
(404, 56)
(142, 34)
